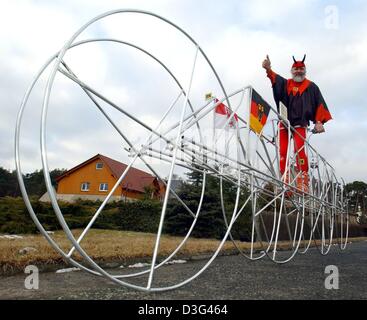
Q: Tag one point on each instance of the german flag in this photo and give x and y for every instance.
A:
(259, 111)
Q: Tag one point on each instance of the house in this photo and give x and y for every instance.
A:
(94, 178)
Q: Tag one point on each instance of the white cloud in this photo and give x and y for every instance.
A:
(263, 12)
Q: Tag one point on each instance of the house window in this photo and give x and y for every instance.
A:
(103, 187)
(99, 165)
(85, 186)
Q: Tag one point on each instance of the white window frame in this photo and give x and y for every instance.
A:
(102, 185)
(82, 185)
(101, 163)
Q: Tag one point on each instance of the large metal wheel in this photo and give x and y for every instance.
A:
(248, 162)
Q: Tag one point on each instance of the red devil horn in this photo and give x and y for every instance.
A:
(304, 57)
(294, 59)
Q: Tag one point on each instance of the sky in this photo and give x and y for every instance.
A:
(235, 35)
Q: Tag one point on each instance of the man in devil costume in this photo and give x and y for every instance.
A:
(304, 103)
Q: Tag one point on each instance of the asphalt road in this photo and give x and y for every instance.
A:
(229, 277)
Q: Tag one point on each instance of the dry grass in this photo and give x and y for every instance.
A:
(104, 246)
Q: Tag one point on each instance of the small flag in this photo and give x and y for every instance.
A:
(221, 115)
(259, 111)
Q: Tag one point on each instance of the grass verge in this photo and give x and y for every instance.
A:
(106, 246)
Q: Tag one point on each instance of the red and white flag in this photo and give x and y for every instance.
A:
(221, 115)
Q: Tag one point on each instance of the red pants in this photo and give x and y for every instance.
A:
(299, 150)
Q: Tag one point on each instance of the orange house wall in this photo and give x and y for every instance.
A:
(71, 184)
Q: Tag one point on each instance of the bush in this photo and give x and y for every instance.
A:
(140, 216)
(134, 216)
(13, 217)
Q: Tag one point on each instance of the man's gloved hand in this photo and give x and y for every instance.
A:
(267, 63)
(319, 128)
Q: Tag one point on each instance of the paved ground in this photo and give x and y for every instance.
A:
(229, 277)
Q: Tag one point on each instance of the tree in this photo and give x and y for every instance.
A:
(34, 182)
(8, 183)
(210, 223)
(148, 192)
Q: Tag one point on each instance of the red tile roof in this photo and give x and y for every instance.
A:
(135, 179)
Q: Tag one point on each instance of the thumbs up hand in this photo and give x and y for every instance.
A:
(266, 63)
